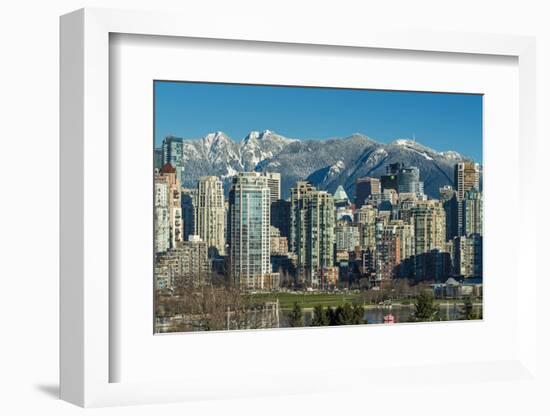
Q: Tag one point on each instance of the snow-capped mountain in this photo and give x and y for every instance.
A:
(326, 163)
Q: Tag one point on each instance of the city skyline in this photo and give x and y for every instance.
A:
(273, 232)
(442, 121)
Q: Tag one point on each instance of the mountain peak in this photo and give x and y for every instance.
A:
(256, 135)
(253, 135)
(215, 136)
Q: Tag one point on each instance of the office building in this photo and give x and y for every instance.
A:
(364, 189)
(389, 180)
(408, 181)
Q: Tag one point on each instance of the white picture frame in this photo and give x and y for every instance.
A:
(86, 290)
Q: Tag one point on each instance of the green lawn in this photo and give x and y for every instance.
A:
(308, 300)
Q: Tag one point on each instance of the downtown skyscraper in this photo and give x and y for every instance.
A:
(249, 232)
(365, 188)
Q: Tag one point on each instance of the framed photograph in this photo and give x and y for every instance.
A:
(268, 231)
(290, 207)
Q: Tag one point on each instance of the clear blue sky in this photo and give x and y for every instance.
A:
(440, 121)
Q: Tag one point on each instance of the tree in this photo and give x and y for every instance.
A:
(319, 317)
(295, 316)
(344, 315)
(331, 316)
(358, 315)
(425, 309)
(467, 310)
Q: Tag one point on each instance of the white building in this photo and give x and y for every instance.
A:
(210, 211)
(274, 184)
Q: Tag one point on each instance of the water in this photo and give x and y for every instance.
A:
(373, 315)
(401, 313)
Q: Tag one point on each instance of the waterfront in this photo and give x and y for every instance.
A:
(374, 314)
(401, 313)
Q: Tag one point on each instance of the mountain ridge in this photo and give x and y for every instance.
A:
(327, 163)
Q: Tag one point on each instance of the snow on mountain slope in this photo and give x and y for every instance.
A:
(326, 163)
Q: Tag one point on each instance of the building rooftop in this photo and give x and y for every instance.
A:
(340, 194)
(168, 168)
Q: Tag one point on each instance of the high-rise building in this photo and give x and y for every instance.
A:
(189, 211)
(167, 175)
(467, 256)
(250, 231)
(472, 213)
(210, 221)
(408, 181)
(172, 153)
(274, 184)
(280, 216)
(466, 178)
(405, 232)
(157, 160)
(162, 220)
(386, 199)
(346, 235)
(389, 180)
(394, 245)
(364, 188)
(428, 218)
(405, 203)
(388, 253)
(312, 231)
(365, 218)
(449, 198)
(434, 265)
